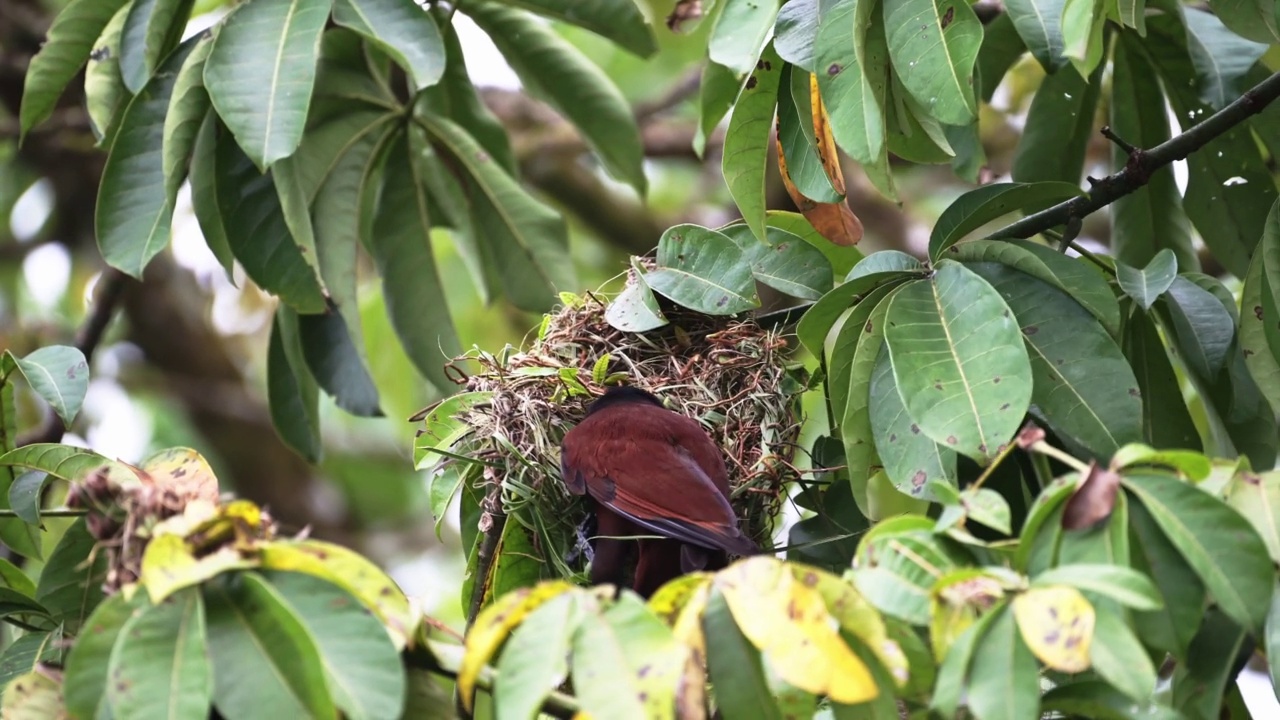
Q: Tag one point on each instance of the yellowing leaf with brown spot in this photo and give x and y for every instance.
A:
(833, 221)
(184, 470)
(789, 623)
(351, 572)
(494, 624)
(1057, 623)
(670, 599)
(857, 617)
(956, 601)
(828, 153)
(169, 564)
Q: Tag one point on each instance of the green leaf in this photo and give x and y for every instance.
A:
(1215, 540)
(1118, 656)
(85, 682)
(151, 30)
(204, 193)
(24, 496)
(1145, 221)
(841, 257)
(134, 212)
(1039, 24)
(11, 576)
(361, 666)
(1203, 327)
(1221, 57)
(958, 356)
(1258, 318)
(734, 665)
(853, 75)
(796, 138)
(1170, 629)
(1199, 682)
(1059, 125)
(1257, 20)
(70, 585)
(843, 348)
(403, 30)
(336, 364)
(1094, 699)
(1001, 48)
(401, 242)
(105, 96)
(1166, 422)
(261, 72)
(884, 261)
(257, 232)
(954, 670)
(60, 375)
(989, 508)
(1271, 636)
(718, 89)
(553, 70)
(535, 658)
(703, 270)
(160, 666)
(1257, 498)
(456, 98)
(188, 106)
(265, 663)
(33, 696)
(618, 20)
(291, 389)
(61, 461)
(1121, 584)
(1083, 387)
(818, 320)
(911, 459)
(741, 30)
(1145, 286)
(795, 32)
(934, 47)
(895, 568)
(746, 143)
(1004, 682)
(854, 420)
(1082, 22)
(600, 674)
(978, 207)
(784, 262)
(522, 238)
(1075, 277)
(66, 48)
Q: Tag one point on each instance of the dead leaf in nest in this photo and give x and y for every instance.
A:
(182, 470)
(1093, 500)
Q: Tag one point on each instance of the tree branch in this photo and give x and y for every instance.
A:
(1144, 163)
(110, 289)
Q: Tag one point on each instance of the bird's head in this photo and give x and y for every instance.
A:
(622, 394)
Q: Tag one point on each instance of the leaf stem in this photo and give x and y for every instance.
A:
(1045, 448)
(51, 512)
(995, 462)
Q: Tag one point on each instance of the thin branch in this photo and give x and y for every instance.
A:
(1144, 163)
(486, 555)
(50, 512)
(110, 289)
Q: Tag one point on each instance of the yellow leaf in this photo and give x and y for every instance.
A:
(789, 623)
(956, 602)
(350, 571)
(492, 626)
(33, 696)
(857, 617)
(671, 598)
(1057, 624)
(828, 154)
(168, 565)
(184, 470)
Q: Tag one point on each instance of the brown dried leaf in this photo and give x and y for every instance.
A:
(833, 221)
(1093, 500)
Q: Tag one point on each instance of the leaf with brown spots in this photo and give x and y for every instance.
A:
(1057, 624)
(1093, 500)
(184, 470)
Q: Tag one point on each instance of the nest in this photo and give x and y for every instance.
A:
(731, 375)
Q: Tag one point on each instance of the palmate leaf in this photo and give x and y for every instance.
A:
(1084, 388)
(261, 72)
(65, 50)
(555, 71)
(934, 46)
(959, 360)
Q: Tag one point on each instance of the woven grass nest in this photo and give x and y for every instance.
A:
(730, 374)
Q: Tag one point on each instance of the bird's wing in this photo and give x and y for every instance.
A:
(634, 465)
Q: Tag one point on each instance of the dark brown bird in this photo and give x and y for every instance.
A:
(650, 471)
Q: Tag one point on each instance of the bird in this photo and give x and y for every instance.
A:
(648, 470)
